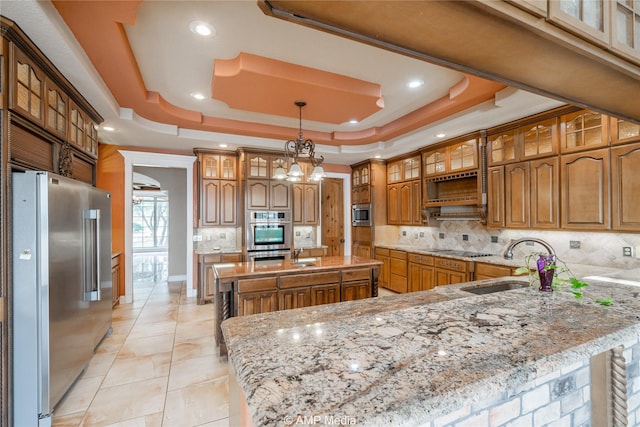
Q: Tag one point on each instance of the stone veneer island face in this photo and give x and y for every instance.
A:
(439, 358)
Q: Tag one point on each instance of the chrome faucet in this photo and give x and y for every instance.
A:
(508, 253)
(296, 254)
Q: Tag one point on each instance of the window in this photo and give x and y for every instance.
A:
(150, 222)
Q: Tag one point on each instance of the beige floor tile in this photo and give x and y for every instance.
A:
(122, 327)
(194, 329)
(100, 364)
(125, 312)
(152, 329)
(112, 342)
(79, 396)
(196, 405)
(125, 402)
(219, 423)
(153, 420)
(147, 346)
(162, 313)
(194, 371)
(195, 347)
(192, 312)
(70, 420)
(127, 370)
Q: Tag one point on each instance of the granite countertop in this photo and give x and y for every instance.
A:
(268, 268)
(405, 359)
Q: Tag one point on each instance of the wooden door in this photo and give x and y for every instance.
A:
(332, 207)
(257, 302)
(294, 298)
(210, 209)
(356, 290)
(517, 195)
(545, 193)
(625, 183)
(325, 294)
(280, 195)
(495, 197)
(406, 204)
(585, 190)
(393, 204)
(228, 203)
(310, 204)
(257, 194)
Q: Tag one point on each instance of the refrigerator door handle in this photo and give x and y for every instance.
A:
(91, 262)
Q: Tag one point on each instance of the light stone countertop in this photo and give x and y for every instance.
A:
(403, 360)
(218, 251)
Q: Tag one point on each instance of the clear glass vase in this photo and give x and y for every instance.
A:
(546, 271)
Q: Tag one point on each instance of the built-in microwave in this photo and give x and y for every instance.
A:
(361, 215)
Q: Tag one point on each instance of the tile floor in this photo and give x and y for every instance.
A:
(159, 367)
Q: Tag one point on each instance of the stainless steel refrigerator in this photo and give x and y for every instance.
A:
(61, 288)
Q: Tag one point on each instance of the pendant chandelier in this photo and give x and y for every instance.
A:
(294, 148)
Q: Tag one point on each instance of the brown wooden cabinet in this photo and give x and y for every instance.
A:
(263, 165)
(404, 191)
(294, 298)
(397, 271)
(356, 284)
(585, 190)
(625, 186)
(485, 270)
(218, 203)
(205, 280)
(268, 195)
(495, 197)
(306, 200)
(421, 272)
(361, 184)
(257, 302)
(382, 254)
(218, 195)
(544, 176)
(583, 130)
(368, 186)
(28, 87)
(115, 279)
(450, 271)
(623, 131)
(325, 294)
(517, 195)
(57, 109)
(362, 250)
(454, 157)
(532, 140)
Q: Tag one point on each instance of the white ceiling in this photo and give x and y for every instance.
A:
(175, 63)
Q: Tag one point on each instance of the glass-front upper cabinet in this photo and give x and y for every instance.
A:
(411, 168)
(463, 156)
(582, 130)
(435, 162)
(394, 172)
(502, 147)
(587, 18)
(626, 28)
(623, 131)
(258, 166)
(539, 139)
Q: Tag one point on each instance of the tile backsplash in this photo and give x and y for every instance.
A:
(601, 249)
(219, 237)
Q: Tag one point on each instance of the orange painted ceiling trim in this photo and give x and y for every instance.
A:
(99, 28)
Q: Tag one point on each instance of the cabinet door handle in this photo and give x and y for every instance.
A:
(341, 240)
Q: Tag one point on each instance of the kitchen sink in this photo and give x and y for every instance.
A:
(303, 264)
(497, 287)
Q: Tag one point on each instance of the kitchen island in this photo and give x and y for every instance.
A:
(247, 288)
(440, 357)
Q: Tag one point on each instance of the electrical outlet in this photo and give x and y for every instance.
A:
(465, 237)
(494, 239)
(415, 235)
(404, 233)
(308, 235)
(422, 234)
(574, 244)
(628, 251)
(197, 238)
(297, 234)
(441, 236)
(223, 235)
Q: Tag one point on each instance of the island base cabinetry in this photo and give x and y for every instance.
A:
(206, 288)
(240, 290)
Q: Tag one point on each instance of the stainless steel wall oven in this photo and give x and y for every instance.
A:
(268, 235)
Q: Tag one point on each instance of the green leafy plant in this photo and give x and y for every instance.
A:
(569, 282)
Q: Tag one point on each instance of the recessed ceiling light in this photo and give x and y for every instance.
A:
(201, 28)
(353, 121)
(440, 135)
(377, 156)
(108, 128)
(198, 96)
(412, 84)
(223, 145)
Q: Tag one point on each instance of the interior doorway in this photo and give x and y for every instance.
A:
(332, 216)
(133, 159)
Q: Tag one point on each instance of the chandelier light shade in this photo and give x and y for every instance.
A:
(294, 149)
